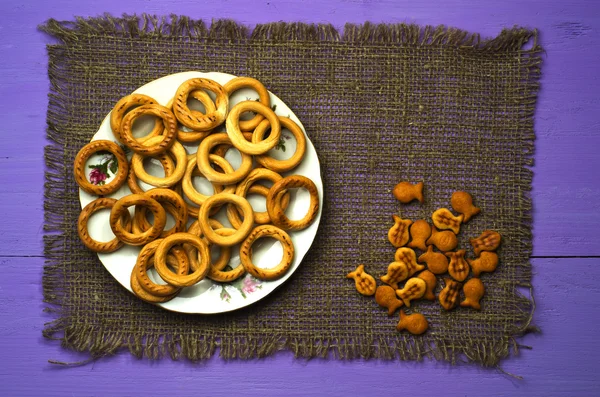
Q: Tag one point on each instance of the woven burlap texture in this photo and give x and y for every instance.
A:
(382, 104)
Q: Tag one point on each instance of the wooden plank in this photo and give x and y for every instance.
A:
(565, 184)
(563, 360)
(564, 357)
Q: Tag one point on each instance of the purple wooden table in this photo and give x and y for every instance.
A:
(565, 358)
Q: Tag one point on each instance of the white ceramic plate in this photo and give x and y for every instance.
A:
(207, 296)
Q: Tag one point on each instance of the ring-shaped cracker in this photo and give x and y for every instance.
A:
(86, 152)
(288, 252)
(276, 165)
(193, 209)
(172, 203)
(191, 171)
(209, 106)
(140, 223)
(194, 229)
(263, 96)
(241, 190)
(82, 229)
(119, 209)
(196, 120)
(125, 104)
(160, 260)
(145, 295)
(236, 135)
(264, 191)
(241, 232)
(149, 146)
(221, 150)
(225, 252)
(168, 166)
(217, 273)
(177, 150)
(146, 260)
(277, 213)
(203, 161)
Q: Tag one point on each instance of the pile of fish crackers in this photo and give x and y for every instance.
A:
(439, 257)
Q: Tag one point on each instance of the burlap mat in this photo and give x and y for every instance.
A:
(381, 103)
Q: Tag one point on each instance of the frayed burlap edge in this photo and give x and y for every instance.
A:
(180, 26)
(98, 342)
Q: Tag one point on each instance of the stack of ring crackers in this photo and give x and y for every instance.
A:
(181, 255)
(438, 256)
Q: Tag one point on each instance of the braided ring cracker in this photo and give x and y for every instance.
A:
(196, 120)
(241, 232)
(86, 152)
(236, 136)
(284, 264)
(277, 213)
(281, 166)
(209, 106)
(125, 104)
(263, 96)
(82, 230)
(149, 146)
(160, 260)
(119, 209)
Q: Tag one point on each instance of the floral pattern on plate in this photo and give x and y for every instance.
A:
(245, 285)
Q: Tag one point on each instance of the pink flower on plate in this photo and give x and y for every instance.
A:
(250, 284)
(225, 295)
(97, 177)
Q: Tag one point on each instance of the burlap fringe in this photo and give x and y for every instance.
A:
(144, 25)
(88, 338)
